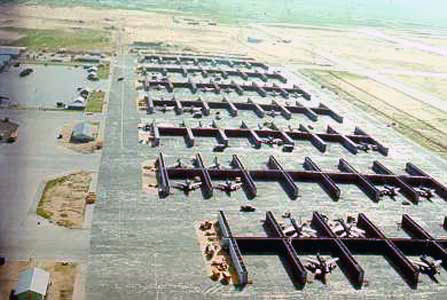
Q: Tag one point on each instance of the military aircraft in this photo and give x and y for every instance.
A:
(191, 109)
(366, 147)
(342, 229)
(274, 94)
(390, 191)
(425, 192)
(229, 186)
(216, 164)
(273, 113)
(427, 265)
(179, 165)
(302, 230)
(165, 108)
(247, 208)
(272, 141)
(188, 186)
(321, 266)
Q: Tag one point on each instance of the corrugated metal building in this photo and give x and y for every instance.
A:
(32, 285)
(82, 133)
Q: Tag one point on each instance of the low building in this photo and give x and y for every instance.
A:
(14, 52)
(82, 133)
(88, 58)
(77, 104)
(8, 131)
(32, 285)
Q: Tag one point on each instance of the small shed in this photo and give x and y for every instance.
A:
(32, 285)
(82, 133)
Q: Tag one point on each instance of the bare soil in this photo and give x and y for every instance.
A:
(64, 199)
(217, 260)
(62, 277)
(149, 177)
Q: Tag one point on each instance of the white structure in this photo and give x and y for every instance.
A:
(33, 284)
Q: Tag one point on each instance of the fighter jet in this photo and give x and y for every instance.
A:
(427, 265)
(321, 266)
(216, 165)
(274, 94)
(179, 165)
(342, 229)
(165, 108)
(273, 113)
(191, 109)
(229, 186)
(299, 230)
(272, 141)
(188, 186)
(363, 146)
(425, 192)
(302, 230)
(389, 191)
(247, 208)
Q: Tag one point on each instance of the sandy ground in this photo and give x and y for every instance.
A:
(149, 180)
(422, 123)
(82, 147)
(218, 263)
(62, 277)
(65, 201)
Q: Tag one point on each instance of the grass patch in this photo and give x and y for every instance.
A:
(95, 101)
(79, 39)
(43, 213)
(103, 71)
(48, 187)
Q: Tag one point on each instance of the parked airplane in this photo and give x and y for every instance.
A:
(165, 108)
(229, 186)
(188, 186)
(342, 229)
(303, 229)
(425, 192)
(321, 266)
(389, 191)
(216, 164)
(273, 113)
(179, 165)
(427, 265)
(272, 141)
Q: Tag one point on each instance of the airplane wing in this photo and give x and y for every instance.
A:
(312, 261)
(332, 261)
(419, 263)
(338, 228)
(180, 186)
(220, 187)
(195, 186)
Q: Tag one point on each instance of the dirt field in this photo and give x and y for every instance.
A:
(218, 263)
(86, 148)
(149, 180)
(423, 124)
(431, 85)
(63, 200)
(62, 277)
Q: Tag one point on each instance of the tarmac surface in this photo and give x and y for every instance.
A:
(26, 165)
(46, 86)
(144, 247)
